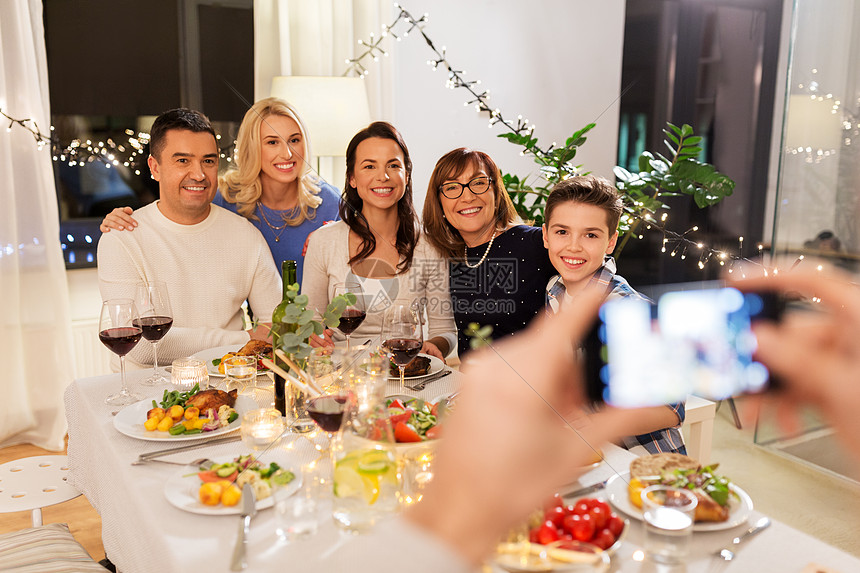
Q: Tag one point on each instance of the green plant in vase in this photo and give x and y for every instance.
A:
(293, 322)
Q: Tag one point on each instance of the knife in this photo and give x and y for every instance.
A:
(421, 384)
(585, 490)
(249, 509)
(193, 446)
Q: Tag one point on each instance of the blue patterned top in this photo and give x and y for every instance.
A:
(289, 243)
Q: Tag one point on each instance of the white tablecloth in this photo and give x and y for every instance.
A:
(142, 532)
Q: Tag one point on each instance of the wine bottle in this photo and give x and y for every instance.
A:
(288, 275)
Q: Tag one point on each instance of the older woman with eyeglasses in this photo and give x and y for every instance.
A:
(498, 266)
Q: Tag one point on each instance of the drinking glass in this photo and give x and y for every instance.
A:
(296, 512)
(118, 332)
(668, 513)
(402, 335)
(155, 320)
(354, 314)
(240, 372)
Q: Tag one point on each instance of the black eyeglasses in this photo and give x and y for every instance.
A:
(453, 189)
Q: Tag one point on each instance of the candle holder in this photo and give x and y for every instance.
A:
(261, 428)
(186, 372)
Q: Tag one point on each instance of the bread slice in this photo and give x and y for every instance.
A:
(658, 464)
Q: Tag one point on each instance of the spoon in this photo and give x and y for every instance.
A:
(727, 554)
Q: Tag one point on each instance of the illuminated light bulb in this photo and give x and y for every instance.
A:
(701, 265)
(137, 172)
(696, 228)
(664, 217)
(700, 245)
(819, 268)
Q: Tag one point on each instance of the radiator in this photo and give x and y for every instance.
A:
(92, 358)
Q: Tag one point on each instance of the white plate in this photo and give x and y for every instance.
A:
(739, 509)
(129, 421)
(181, 491)
(211, 354)
(436, 365)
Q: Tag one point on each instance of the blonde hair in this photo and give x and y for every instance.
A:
(241, 185)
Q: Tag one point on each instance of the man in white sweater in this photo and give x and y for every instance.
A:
(211, 260)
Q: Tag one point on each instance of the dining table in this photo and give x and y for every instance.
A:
(143, 532)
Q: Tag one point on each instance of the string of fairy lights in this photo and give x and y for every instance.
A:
(80, 152)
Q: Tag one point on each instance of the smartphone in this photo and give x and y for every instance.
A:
(683, 339)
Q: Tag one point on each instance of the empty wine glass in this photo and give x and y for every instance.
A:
(354, 314)
(155, 320)
(118, 332)
(402, 335)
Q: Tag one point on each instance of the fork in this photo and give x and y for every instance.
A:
(726, 554)
(203, 463)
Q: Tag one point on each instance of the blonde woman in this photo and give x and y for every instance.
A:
(272, 183)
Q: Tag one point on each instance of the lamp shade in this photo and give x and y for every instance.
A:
(333, 109)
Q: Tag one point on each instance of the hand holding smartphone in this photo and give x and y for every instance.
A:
(694, 339)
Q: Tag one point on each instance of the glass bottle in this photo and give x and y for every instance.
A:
(288, 275)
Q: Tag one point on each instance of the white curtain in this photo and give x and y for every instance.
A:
(315, 38)
(35, 329)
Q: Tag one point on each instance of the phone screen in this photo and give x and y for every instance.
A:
(689, 342)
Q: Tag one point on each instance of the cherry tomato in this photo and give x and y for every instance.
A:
(604, 506)
(554, 515)
(568, 509)
(589, 501)
(533, 535)
(604, 539)
(403, 433)
(599, 516)
(581, 508)
(583, 530)
(547, 533)
(570, 521)
(615, 525)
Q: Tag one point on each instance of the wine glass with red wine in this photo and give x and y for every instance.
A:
(155, 320)
(354, 314)
(118, 332)
(327, 410)
(402, 335)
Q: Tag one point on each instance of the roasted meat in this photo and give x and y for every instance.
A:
(419, 366)
(256, 348)
(212, 399)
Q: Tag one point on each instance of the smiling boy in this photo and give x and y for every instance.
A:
(580, 233)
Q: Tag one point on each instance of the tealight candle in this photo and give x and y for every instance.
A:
(261, 427)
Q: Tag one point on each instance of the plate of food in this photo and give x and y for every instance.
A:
(213, 356)
(218, 490)
(421, 366)
(721, 503)
(184, 416)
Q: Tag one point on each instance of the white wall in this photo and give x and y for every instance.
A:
(555, 62)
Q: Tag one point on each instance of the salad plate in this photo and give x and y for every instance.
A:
(129, 421)
(436, 365)
(181, 492)
(740, 507)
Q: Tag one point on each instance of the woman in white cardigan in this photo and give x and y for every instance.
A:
(379, 244)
